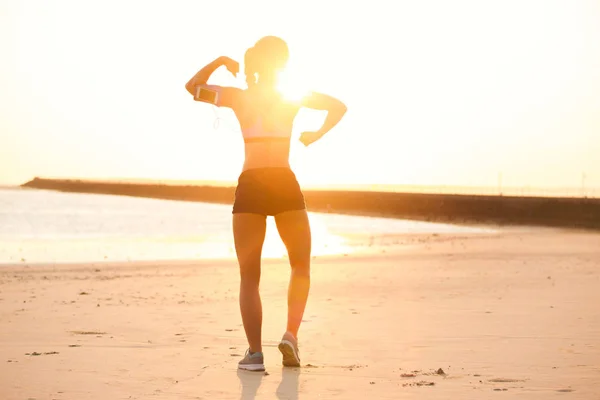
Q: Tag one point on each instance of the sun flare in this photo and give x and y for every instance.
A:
(291, 86)
(324, 242)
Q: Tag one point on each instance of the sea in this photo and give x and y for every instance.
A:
(40, 226)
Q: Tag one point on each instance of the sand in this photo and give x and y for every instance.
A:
(514, 315)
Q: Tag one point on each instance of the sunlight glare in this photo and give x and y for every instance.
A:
(291, 85)
(323, 241)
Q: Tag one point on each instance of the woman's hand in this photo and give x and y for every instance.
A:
(231, 65)
(202, 76)
(309, 137)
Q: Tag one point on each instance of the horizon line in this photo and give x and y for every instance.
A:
(523, 190)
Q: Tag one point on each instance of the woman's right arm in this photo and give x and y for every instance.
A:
(335, 111)
(227, 95)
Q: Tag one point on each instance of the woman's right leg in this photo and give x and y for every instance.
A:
(249, 235)
(294, 229)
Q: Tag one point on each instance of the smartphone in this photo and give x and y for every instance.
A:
(206, 95)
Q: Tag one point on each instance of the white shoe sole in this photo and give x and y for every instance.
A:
(290, 356)
(252, 367)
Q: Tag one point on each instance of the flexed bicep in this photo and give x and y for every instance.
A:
(213, 94)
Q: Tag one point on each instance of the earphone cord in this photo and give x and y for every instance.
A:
(218, 120)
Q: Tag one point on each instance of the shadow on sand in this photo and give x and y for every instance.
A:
(287, 389)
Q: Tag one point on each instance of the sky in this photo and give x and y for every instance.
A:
(438, 92)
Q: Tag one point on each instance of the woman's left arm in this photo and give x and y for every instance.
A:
(218, 95)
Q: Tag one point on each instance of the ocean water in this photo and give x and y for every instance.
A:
(38, 226)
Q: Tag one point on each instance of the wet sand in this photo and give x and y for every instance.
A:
(510, 315)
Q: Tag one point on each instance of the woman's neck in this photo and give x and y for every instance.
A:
(267, 81)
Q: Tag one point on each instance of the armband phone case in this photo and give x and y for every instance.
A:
(206, 95)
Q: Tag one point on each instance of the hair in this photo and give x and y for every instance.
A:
(250, 67)
(269, 55)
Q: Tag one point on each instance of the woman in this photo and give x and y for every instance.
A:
(267, 185)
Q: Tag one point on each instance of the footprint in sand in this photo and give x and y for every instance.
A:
(414, 373)
(419, 383)
(353, 366)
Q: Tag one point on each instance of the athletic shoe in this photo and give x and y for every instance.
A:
(289, 349)
(252, 361)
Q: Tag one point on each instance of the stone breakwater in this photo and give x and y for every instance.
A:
(453, 208)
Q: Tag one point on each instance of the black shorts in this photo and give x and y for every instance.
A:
(268, 191)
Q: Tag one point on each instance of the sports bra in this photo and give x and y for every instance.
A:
(257, 133)
(254, 132)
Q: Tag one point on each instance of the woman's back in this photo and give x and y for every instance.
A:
(266, 120)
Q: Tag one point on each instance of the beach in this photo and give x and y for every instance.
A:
(510, 314)
(453, 201)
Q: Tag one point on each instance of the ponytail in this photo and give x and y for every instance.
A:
(269, 55)
(250, 67)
